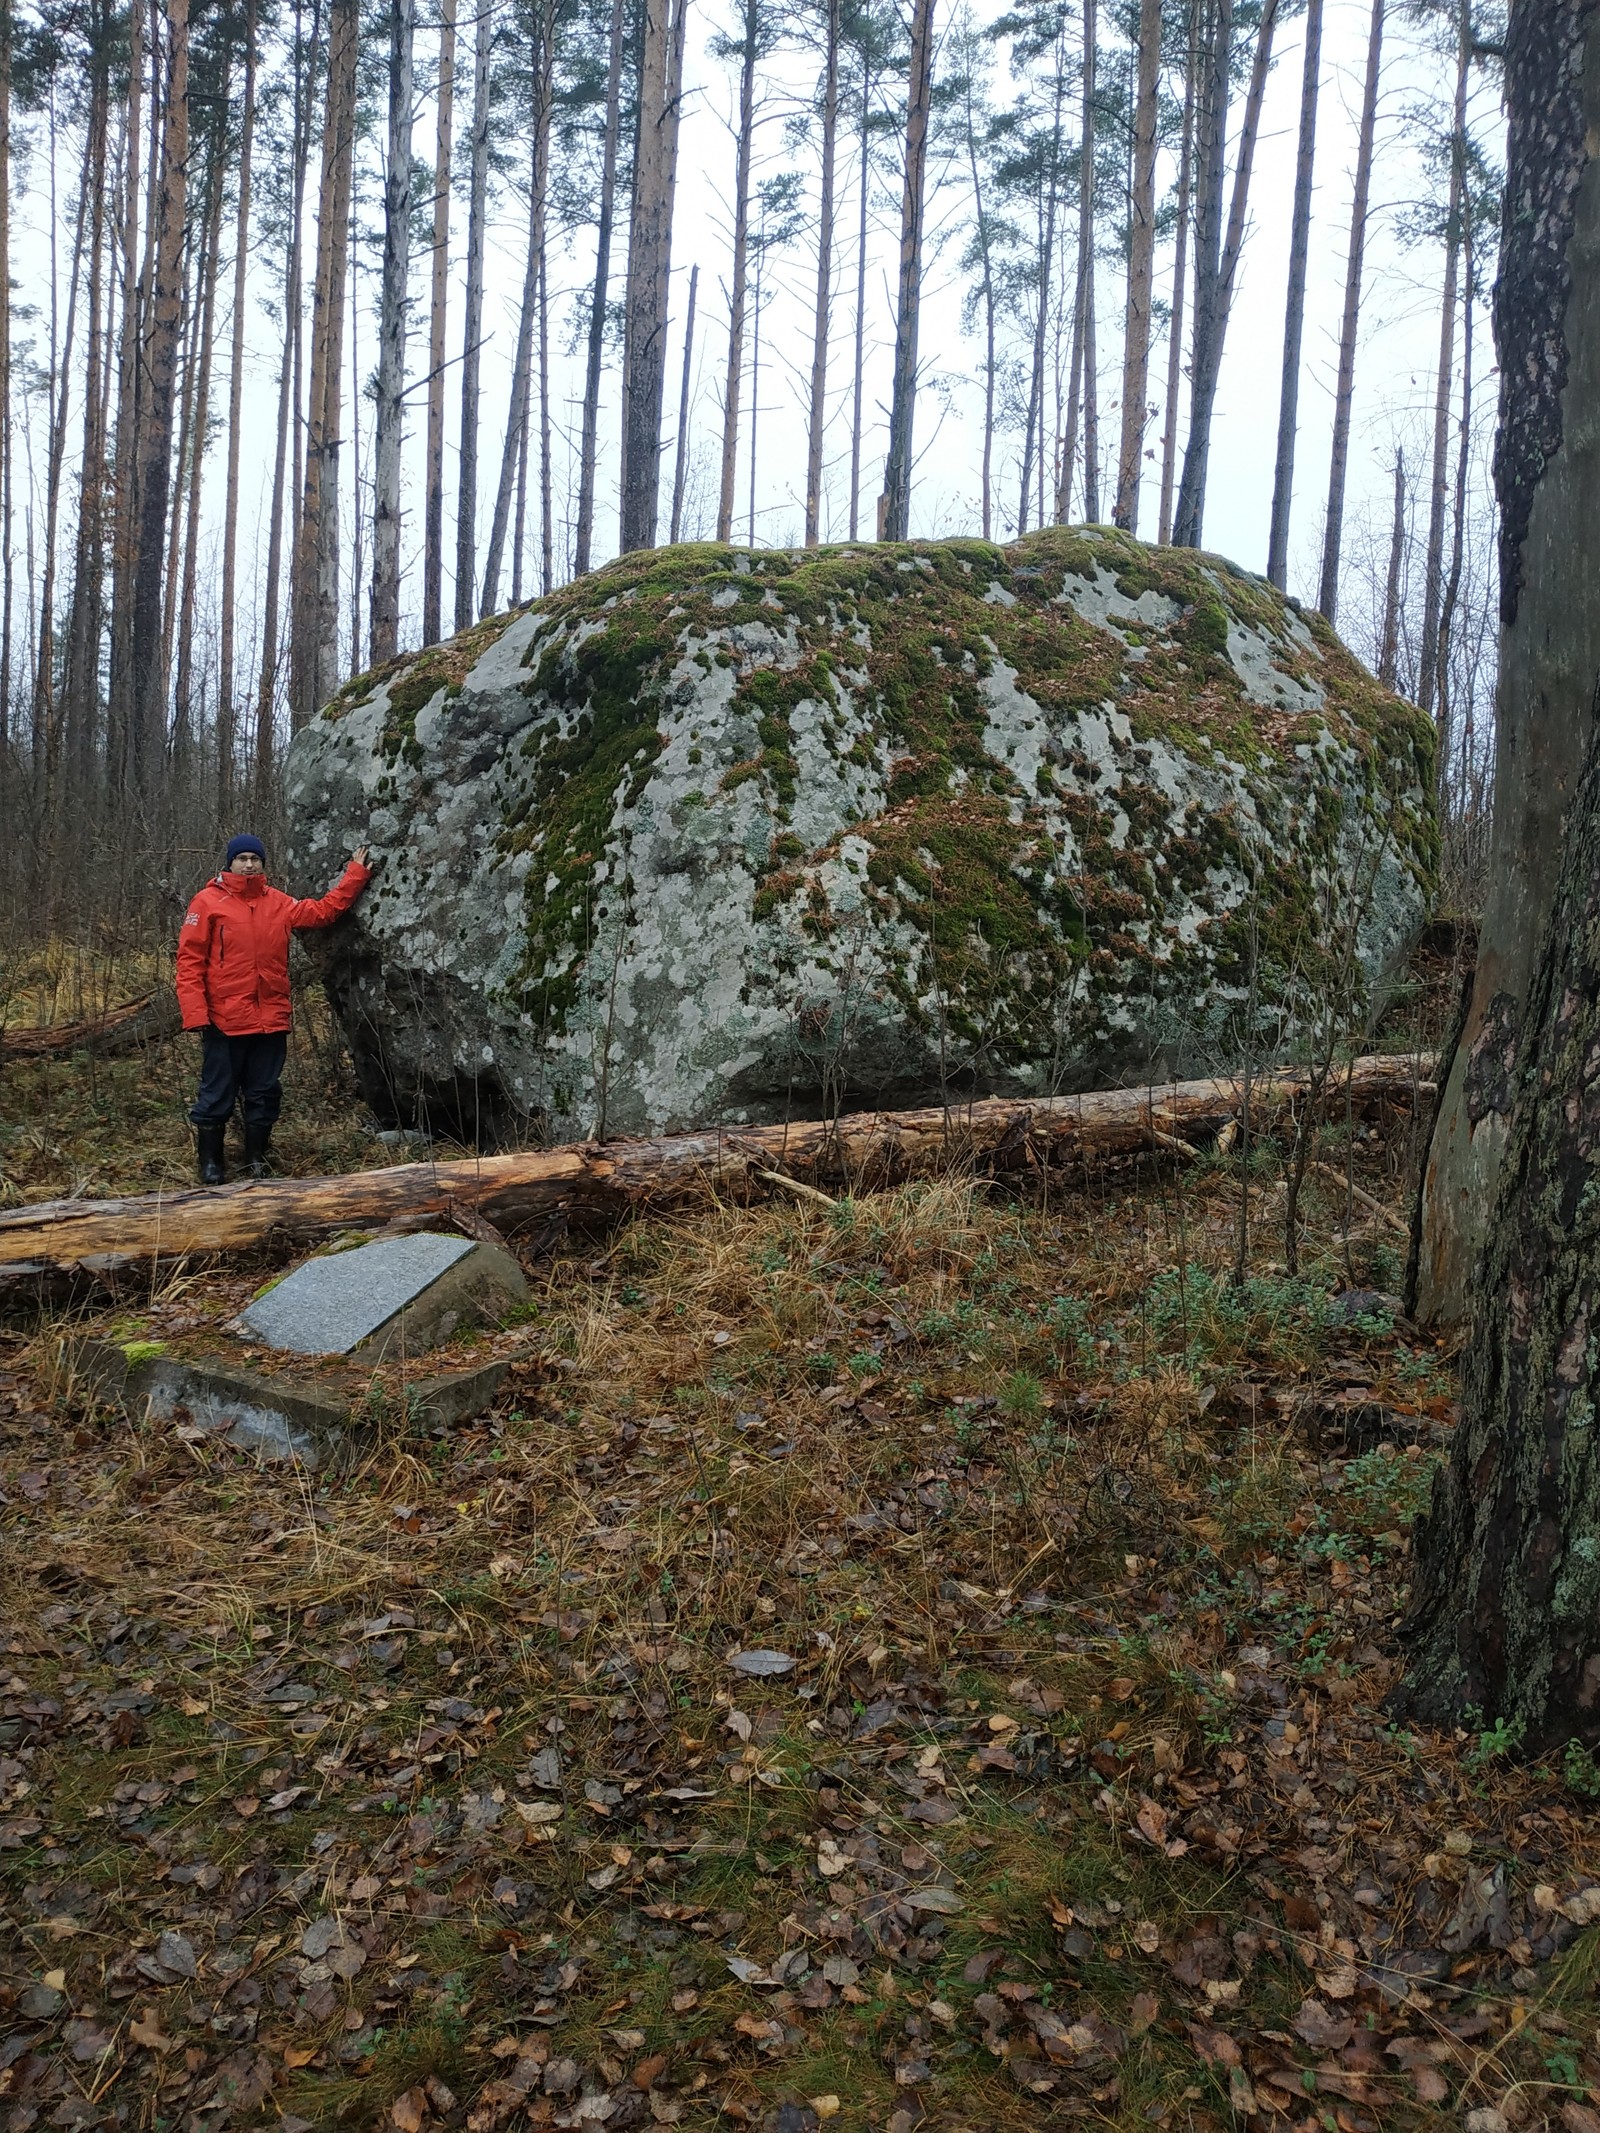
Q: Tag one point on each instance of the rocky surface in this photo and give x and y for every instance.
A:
(724, 835)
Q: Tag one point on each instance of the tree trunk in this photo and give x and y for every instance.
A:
(1389, 636)
(599, 1184)
(902, 405)
(184, 722)
(1444, 383)
(1089, 379)
(1034, 434)
(313, 629)
(227, 718)
(1344, 389)
(861, 299)
(7, 445)
(644, 352)
(522, 361)
(680, 471)
(439, 290)
(986, 288)
(81, 665)
(1547, 476)
(1209, 343)
(472, 328)
(741, 259)
(1458, 539)
(588, 450)
(1169, 420)
(819, 330)
(124, 498)
(1294, 318)
(390, 412)
(147, 690)
(1141, 270)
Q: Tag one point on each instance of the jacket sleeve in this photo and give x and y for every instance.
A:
(194, 950)
(323, 910)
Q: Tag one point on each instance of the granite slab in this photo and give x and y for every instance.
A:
(396, 1295)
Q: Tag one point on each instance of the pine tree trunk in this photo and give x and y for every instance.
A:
(644, 351)
(986, 290)
(861, 300)
(546, 498)
(314, 595)
(1344, 388)
(1033, 434)
(81, 665)
(1458, 542)
(472, 328)
(896, 506)
(147, 690)
(1294, 318)
(588, 450)
(398, 195)
(819, 330)
(227, 717)
(119, 721)
(522, 361)
(1389, 635)
(1547, 476)
(1209, 344)
(1088, 379)
(736, 293)
(680, 472)
(7, 443)
(185, 732)
(433, 506)
(1141, 270)
(1169, 419)
(1444, 383)
(48, 720)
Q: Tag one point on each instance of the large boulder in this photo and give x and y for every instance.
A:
(725, 835)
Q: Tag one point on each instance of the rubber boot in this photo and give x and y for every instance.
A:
(257, 1141)
(210, 1139)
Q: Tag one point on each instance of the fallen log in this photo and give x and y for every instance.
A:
(593, 1184)
(124, 1028)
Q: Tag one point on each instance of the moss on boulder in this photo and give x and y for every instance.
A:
(726, 835)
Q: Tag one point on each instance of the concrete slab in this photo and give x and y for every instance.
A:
(396, 1296)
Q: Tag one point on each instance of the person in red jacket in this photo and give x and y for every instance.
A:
(233, 987)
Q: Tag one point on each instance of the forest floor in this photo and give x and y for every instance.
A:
(920, 1663)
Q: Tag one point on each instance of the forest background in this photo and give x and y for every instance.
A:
(318, 320)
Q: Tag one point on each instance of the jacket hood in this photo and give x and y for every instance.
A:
(242, 884)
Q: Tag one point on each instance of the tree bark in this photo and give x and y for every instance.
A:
(313, 653)
(902, 406)
(604, 1183)
(184, 720)
(1389, 635)
(438, 295)
(1344, 389)
(861, 298)
(227, 715)
(1169, 420)
(644, 353)
(680, 471)
(1547, 477)
(388, 429)
(1444, 383)
(472, 327)
(1089, 382)
(1505, 1615)
(7, 443)
(1141, 270)
(819, 330)
(588, 451)
(733, 374)
(1209, 343)
(1294, 317)
(124, 484)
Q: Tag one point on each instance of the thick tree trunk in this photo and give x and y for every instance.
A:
(314, 625)
(902, 405)
(147, 691)
(438, 301)
(1209, 344)
(602, 1183)
(644, 353)
(472, 328)
(227, 699)
(1294, 317)
(733, 373)
(1344, 389)
(1547, 475)
(398, 197)
(1505, 1614)
(819, 329)
(588, 451)
(1169, 417)
(1141, 270)
(680, 469)
(1444, 383)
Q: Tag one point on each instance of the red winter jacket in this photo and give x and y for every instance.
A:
(233, 949)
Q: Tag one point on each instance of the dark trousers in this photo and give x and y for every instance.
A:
(246, 1070)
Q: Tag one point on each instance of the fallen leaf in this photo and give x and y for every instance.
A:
(408, 2110)
(1146, 2007)
(1322, 2030)
(537, 1812)
(762, 1662)
(147, 2031)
